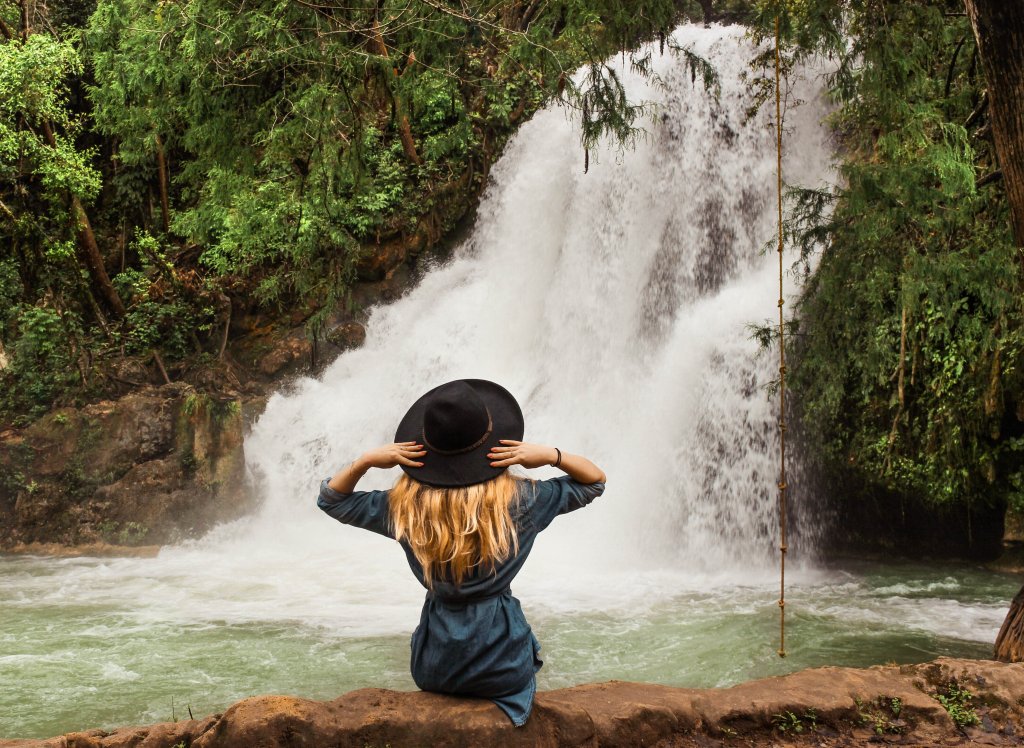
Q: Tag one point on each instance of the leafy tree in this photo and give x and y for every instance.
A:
(906, 366)
(305, 132)
(39, 160)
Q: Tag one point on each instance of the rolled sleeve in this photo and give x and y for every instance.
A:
(365, 509)
(560, 496)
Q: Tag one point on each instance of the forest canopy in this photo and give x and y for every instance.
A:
(907, 350)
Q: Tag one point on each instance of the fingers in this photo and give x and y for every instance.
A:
(406, 452)
(505, 456)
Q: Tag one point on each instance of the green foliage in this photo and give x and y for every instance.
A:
(33, 97)
(957, 701)
(161, 311)
(790, 723)
(881, 714)
(251, 154)
(906, 365)
(42, 364)
(304, 132)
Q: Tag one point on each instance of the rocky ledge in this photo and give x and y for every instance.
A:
(945, 702)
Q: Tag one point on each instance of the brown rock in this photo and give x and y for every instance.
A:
(285, 354)
(380, 260)
(93, 550)
(105, 439)
(154, 466)
(347, 335)
(599, 715)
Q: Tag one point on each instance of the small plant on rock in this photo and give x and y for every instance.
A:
(957, 701)
(881, 715)
(788, 723)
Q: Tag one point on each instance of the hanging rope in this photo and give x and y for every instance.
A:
(782, 359)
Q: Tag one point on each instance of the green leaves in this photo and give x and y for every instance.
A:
(37, 128)
(907, 371)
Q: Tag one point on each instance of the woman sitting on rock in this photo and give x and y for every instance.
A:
(466, 526)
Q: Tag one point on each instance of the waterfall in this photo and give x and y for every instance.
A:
(615, 305)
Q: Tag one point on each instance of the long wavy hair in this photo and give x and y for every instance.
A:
(454, 530)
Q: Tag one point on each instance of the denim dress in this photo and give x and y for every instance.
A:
(473, 640)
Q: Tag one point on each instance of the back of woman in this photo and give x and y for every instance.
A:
(466, 526)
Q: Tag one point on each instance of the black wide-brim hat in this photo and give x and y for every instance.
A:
(457, 423)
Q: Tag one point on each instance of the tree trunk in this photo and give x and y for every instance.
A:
(999, 29)
(161, 165)
(93, 259)
(89, 250)
(404, 128)
(1010, 642)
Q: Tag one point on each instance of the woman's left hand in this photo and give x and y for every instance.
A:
(521, 453)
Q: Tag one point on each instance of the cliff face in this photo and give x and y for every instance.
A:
(156, 466)
(826, 706)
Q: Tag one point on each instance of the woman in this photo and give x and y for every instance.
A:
(466, 526)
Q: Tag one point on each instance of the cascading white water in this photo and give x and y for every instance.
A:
(615, 306)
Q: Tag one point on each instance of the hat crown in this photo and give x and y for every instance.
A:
(455, 418)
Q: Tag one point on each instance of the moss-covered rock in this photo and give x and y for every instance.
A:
(157, 465)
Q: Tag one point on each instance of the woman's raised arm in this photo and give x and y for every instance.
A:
(387, 456)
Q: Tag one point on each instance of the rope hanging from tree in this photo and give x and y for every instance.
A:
(783, 548)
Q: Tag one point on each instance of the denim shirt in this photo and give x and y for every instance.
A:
(473, 640)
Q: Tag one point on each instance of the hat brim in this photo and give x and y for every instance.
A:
(468, 468)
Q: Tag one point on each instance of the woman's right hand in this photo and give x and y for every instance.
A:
(390, 455)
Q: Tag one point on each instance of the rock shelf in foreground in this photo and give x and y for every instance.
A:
(823, 706)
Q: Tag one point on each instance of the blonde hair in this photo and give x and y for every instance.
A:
(453, 530)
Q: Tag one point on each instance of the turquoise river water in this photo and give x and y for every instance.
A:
(67, 667)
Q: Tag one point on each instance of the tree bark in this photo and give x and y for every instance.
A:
(404, 128)
(161, 164)
(1010, 641)
(999, 29)
(93, 259)
(89, 250)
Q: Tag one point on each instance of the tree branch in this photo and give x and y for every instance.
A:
(989, 178)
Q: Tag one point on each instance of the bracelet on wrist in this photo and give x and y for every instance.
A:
(557, 462)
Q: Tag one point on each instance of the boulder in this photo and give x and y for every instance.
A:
(820, 707)
(285, 356)
(347, 335)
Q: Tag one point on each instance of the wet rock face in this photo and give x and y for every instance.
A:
(821, 707)
(146, 468)
(286, 356)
